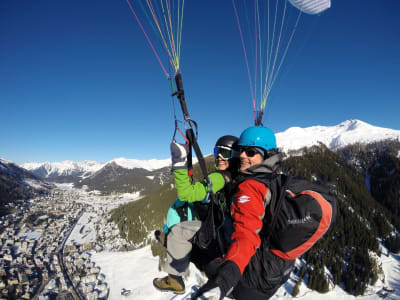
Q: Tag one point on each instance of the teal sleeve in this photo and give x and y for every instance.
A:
(196, 192)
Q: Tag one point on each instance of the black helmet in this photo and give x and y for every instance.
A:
(229, 141)
(226, 147)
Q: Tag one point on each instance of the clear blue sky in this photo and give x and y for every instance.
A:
(78, 80)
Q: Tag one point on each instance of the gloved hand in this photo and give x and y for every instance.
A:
(211, 269)
(179, 154)
(226, 278)
(209, 291)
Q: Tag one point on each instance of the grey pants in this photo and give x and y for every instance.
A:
(179, 247)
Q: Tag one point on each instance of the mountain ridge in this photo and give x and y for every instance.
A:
(294, 138)
(334, 137)
(17, 185)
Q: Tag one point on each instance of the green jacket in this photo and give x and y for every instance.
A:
(190, 193)
(196, 192)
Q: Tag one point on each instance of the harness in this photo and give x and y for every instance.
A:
(216, 211)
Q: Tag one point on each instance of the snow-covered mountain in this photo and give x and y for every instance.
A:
(334, 137)
(294, 138)
(10, 172)
(65, 168)
(87, 168)
(16, 185)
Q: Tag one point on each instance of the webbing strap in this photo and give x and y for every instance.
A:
(190, 135)
(204, 237)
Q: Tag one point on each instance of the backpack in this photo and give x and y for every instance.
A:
(299, 214)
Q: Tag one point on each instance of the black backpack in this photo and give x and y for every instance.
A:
(299, 214)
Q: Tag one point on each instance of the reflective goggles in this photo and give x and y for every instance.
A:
(251, 151)
(223, 152)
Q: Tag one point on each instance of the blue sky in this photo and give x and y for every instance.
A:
(78, 80)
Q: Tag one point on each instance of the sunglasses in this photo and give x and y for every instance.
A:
(223, 153)
(250, 152)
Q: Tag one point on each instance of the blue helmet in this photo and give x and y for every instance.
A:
(258, 136)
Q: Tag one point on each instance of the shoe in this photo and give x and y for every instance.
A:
(169, 284)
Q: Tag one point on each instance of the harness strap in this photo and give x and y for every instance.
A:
(278, 208)
(190, 135)
(203, 238)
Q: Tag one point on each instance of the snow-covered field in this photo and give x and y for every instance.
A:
(135, 271)
(106, 203)
(84, 231)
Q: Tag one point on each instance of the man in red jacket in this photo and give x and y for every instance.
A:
(249, 270)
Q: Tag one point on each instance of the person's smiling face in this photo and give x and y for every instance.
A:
(221, 164)
(249, 156)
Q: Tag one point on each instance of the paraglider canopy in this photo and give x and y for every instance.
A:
(311, 7)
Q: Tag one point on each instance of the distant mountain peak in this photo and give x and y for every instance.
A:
(149, 165)
(335, 137)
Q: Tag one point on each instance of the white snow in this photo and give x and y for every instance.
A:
(136, 269)
(128, 197)
(33, 183)
(5, 161)
(84, 231)
(64, 168)
(150, 165)
(65, 186)
(88, 168)
(346, 133)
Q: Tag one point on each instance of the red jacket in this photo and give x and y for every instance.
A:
(248, 211)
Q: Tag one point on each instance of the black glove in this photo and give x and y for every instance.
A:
(179, 154)
(226, 278)
(211, 269)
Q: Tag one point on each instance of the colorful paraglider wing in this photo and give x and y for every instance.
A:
(311, 6)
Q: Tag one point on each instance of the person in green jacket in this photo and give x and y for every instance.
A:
(183, 245)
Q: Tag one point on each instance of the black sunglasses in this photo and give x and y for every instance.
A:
(250, 152)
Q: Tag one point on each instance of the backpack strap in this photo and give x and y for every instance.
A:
(284, 182)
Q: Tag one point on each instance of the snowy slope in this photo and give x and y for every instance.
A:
(12, 174)
(135, 270)
(152, 164)
(346, 133)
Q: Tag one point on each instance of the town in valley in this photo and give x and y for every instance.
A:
(46, 245)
